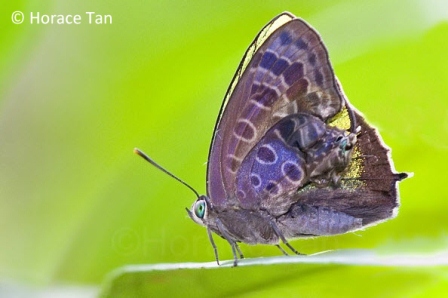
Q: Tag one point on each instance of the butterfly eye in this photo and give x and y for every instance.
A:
(342, 142)
(199, 208)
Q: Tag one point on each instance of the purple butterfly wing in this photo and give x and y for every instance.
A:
(285, 71)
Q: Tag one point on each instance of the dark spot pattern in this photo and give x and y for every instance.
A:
(297, 89)
(312, 59)
(272, 187)
(292, 171)
(234, 164)
(293, 73)
(301, 45)
(244, 130)
(280, 66)
(255, 180)
(266, 155)
(285, 39)
(319, 78)
(268, 60)
(265, 95)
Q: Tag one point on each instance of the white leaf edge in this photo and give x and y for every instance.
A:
(357, 257)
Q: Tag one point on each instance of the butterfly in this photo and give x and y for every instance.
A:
(290, 156)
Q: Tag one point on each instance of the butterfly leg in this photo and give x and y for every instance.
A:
(239, 251)
(234, 250)
(229, 239)
(290, 246)
(282, 250)
(282, 238)
(210, 237)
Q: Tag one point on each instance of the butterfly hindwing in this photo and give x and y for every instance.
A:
(368, 193)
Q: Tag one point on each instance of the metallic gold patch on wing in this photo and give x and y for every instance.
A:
(341, 120)
(350, 178)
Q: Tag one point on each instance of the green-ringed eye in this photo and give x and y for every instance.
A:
(343, 143)
(199, 209)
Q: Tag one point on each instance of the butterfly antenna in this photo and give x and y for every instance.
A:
(148, 159)
(351, 116)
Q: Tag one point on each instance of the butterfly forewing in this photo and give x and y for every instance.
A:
(285, 71)
(216, 187)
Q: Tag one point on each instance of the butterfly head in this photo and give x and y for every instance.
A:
(332, 155)
(199, 210)
(343, 153)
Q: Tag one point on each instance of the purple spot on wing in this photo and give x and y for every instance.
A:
(312, 59)
(285, 38)
(266, 154)
(292, 171)
(301, 45)
(272, 188)
(280, 66)
(255, 180)
(319, 78)
(268, 60)
(293, 73)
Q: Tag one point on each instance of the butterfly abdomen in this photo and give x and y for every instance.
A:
(303, 220)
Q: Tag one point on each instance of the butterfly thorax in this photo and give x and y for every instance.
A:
(220, 222)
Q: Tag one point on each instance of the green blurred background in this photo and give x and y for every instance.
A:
(75, 202)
